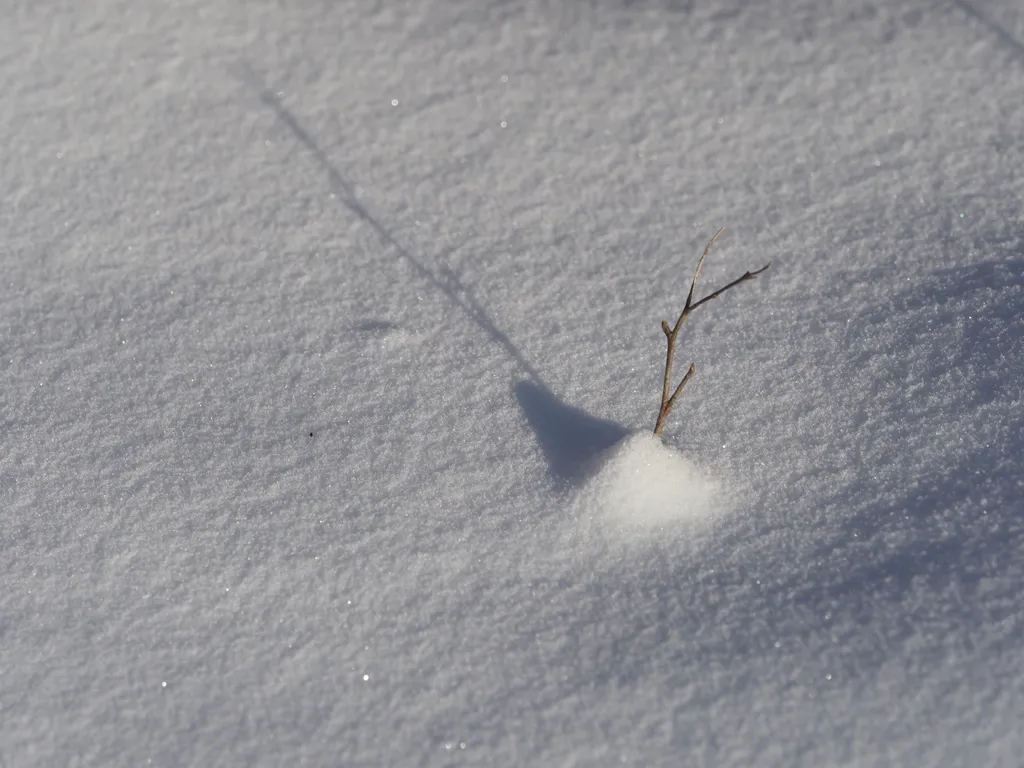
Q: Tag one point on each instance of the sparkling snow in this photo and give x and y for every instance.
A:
(329, 332)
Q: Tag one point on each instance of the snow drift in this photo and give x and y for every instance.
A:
(640, 484)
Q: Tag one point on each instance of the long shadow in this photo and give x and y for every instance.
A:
(568, 436)
(344, 190)
(998, 30)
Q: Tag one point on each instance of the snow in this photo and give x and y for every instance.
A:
(330, 333)
(641, 484)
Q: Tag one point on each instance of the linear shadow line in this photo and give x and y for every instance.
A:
(995, 28)
(568, 437)
(449, 284)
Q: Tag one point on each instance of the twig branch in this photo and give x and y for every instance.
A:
(671, 333)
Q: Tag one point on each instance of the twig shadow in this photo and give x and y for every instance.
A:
(443, 278)
(1002, 34)
(569, 437)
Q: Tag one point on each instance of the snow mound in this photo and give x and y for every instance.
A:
(642, 484)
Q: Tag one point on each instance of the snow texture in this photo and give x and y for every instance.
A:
(642, 485)
(327, 330)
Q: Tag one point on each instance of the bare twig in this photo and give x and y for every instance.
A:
(671, 333)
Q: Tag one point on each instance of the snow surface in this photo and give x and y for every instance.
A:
(319, 322)
(639, 486)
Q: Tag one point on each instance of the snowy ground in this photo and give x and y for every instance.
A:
(317, 317)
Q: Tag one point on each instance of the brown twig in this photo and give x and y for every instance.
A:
(668, 401)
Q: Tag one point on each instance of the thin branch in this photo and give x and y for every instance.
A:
(696, 274)
(686, 378)
(737, 281)
(669, 401)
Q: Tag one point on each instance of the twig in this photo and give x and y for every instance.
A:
(668, 401)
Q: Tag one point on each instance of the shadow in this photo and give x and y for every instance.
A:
(957, 525)
(989, 346)
(999, 31)
(446, 282)
(375, 326)
(673, 6)
(945, 285)
(569, 437)
(960, 520)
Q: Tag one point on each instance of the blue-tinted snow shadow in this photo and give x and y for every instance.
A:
(990, 337)
(569, 437)
(959, 515)
(912, 544)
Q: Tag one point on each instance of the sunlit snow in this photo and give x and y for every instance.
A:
(330, 348)
(643, 485)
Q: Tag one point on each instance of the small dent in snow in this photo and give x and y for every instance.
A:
(376, 327)
(388, 334)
